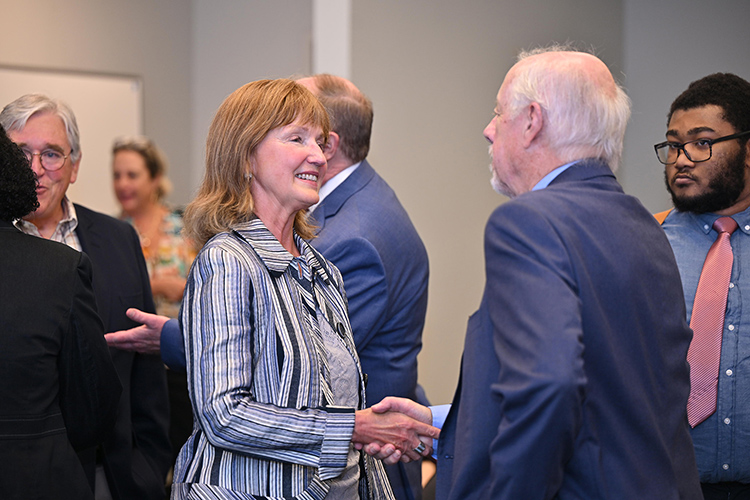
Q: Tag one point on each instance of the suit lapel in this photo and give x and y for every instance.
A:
(336, 199)
(91, 240)
(85, 231)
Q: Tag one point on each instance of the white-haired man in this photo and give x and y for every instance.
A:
(574, 377)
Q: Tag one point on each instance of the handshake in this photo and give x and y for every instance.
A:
(395, 429)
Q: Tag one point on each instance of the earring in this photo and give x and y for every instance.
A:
(248, 176)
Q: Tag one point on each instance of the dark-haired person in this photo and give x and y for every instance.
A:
(707, 172)
(134, 459)
(58, 386)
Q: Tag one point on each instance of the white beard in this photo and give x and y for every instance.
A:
(495, 182)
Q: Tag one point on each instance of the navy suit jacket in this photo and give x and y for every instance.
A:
(137, 454)
(574, 377)
(367, 234)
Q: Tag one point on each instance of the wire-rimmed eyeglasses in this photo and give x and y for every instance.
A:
(51, 159)
(696, 151)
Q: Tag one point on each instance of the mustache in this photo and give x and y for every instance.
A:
(683, 175)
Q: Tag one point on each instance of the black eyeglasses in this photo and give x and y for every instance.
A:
(50, 159)
(695, 151)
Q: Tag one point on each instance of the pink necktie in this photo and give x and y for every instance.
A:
(707, 322)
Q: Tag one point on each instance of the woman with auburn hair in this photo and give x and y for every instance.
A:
(274, 377)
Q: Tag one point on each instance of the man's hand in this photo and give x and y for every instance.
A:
(405, 406)
(387, 452)
(145, 339)
(393, 436)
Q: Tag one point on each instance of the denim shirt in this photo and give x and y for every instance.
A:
(722, 442)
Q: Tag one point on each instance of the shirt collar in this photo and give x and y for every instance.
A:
(547, 179)
(65, 226)
(273, 255)
(333, 183)
(705, 221)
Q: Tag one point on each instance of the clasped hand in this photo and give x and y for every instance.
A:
(394, 429)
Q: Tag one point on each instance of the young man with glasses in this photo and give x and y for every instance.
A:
(707, 172)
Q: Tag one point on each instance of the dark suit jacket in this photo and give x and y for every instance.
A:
(137, 454)
(58, 387)
(367, 234)
(574, 378)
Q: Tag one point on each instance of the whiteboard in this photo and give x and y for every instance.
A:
(106, 107)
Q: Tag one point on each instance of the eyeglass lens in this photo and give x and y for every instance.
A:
(696, 151)
(50, 159)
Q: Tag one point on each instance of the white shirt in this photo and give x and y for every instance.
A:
(332, 184)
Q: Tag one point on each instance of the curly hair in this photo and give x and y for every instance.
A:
(726, 90)
(17, 182)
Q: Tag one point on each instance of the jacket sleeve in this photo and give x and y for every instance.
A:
(89, 386)
(172, 344)
(366, 286)
(538, 337)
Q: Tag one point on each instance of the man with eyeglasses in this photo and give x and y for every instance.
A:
(135, 456)
(707, 172)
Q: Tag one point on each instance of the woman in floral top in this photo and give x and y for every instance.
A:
(140, 184)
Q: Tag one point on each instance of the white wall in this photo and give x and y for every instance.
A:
(236, 42)
(667, 45)
(433, 69)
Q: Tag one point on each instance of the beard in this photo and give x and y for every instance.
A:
(723, 191)
(499, 186)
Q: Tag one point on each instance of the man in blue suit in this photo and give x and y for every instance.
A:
(367, 234)
(574, 377)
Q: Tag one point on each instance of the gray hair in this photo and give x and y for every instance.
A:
(15, 115)
(581, 113)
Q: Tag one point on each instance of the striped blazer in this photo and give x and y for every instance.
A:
(265, 425)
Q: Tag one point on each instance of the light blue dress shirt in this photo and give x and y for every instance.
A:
(722, 442)
(547, 179)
